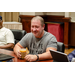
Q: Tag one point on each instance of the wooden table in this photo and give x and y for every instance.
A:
(16, 59)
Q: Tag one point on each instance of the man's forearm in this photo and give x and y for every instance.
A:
(45, 55)
(8, 46)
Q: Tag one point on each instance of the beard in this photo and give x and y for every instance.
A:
(38, 34)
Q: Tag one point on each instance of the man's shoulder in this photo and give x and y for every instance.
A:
(29, 35)
(48, 34)
(4, 28)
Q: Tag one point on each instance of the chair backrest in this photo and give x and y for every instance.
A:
(18, 34)
(60, 47)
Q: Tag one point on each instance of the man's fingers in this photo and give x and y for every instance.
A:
(18, 54)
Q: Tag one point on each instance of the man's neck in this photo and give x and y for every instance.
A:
(41, 35)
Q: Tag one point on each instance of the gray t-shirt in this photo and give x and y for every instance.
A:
(38, 45)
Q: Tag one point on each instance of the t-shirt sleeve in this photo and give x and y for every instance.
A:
(25, 40)
(9, 37)
(52, 42)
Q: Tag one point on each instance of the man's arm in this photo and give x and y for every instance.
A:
(17, 50)
(8, 46)
(47, 54)
(43, 56)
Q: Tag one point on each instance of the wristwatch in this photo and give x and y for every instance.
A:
(37, 57)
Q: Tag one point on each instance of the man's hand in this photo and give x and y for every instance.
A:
(18, 54)
(30, 57)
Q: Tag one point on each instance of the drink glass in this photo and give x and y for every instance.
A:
(23, 52)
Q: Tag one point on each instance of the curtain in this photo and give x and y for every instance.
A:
(10, 16)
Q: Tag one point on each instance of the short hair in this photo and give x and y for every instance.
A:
(38, 18)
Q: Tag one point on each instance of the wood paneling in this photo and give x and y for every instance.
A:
(52, 18)
(66, 31)
(72, 34)
(26, 22)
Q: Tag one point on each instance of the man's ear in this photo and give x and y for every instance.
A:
(2, 21)
(43, 26)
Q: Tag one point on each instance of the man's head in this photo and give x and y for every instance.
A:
(37, 26)
(1, 22)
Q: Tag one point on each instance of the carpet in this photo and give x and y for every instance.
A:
(67, 51)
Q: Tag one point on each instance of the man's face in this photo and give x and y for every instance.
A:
(36, 28)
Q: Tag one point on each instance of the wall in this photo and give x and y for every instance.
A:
(39, 13)
(31, 13)
(72, 15)
(42, 13)
(27, 13)
(15, 15)
(10, 16)
(56, 13)
(66, 14)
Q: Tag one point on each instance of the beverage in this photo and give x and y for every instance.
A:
(23, 53)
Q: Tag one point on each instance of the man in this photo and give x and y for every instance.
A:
(39, 42)
(6, 37)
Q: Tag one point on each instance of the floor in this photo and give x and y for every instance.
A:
(67, 51)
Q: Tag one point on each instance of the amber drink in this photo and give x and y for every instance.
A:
(23, 53)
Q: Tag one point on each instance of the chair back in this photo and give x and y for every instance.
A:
(60, 47)
(18, 34)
